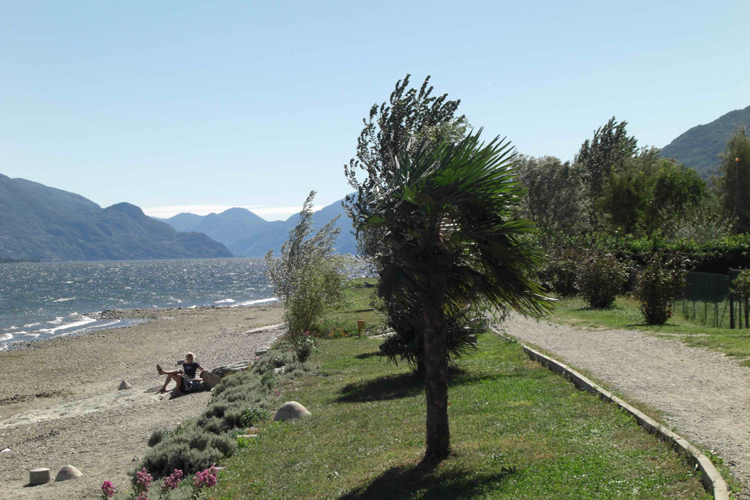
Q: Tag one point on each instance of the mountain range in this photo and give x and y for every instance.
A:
(700, 146)
(40, 222)
(248, 235)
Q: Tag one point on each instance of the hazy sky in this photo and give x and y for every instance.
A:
(179, 105)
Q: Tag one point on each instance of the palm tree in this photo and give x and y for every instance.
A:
(450, 244)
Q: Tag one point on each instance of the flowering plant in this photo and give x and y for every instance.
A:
(204, 479)
(142, 484)
(170, 483)
(108, 490)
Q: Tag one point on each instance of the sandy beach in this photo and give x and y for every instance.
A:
(60, 403)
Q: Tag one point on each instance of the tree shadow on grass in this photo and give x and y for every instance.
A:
(407, 385)
(368, 355)
(419, 481)
(383, 388)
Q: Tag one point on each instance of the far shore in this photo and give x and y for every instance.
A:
(60, 404)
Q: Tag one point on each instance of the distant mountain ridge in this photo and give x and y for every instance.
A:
(700, 146)
(41, 222)
(246, 234)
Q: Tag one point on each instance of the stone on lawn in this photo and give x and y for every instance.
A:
(124, 385)
(290, 411)
(39, 476)
(68, 472)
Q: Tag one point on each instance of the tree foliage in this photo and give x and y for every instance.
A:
(451, 242)
(410, 117)
(308, 274)
(555, 198)
(605, 152)
(734, 184)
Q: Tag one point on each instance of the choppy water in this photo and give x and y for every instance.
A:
(42, 300)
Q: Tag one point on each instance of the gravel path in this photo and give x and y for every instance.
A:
(705, 395)
(59, 402)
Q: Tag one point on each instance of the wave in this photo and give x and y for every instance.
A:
(255, 302)
(81, 321)
(225, 301)
(6, 336)
(64, 299)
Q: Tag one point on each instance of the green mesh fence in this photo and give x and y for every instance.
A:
(706, 300)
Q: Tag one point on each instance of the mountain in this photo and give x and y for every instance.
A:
(246, 234)
(700, 146)
(40, 222)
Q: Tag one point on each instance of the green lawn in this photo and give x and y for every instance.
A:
(518, 431)
(626, 315)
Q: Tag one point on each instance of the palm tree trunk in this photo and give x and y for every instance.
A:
(436, 387)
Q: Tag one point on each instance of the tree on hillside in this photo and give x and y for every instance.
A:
(733, 186)
(308, 276)
(554, 197)
(451, 242)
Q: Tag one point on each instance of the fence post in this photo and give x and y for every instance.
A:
(731, 310)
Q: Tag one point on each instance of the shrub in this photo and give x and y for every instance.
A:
(658, 285)
(308, 276)
(741, 284)
(304, 345)
(601, 278)
(560, 274)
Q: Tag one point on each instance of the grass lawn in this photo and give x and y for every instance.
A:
(626, 315)
(518, 431)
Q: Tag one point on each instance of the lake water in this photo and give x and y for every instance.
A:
(42, 300)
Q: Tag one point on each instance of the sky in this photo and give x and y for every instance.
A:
(201, 106)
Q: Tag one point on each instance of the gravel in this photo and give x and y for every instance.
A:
(704, 395)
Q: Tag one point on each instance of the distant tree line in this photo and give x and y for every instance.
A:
(615, 188)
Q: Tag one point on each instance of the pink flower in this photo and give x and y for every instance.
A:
(108, 490)
(173, 481)
(143, 480)
(205, 479)
(141, 496)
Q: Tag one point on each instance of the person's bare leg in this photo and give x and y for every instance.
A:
(166, 383)
(178, 381)
(166, 372)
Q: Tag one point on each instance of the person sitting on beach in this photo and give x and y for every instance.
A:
(184, 378)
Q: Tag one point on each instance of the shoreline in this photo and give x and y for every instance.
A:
(130, 317)
(59, 403)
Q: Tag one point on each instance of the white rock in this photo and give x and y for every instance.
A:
(68, 472)
(290, 411)
(39, 476)
(124, 385)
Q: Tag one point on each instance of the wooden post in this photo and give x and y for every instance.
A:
(731, 310)
(360, 326)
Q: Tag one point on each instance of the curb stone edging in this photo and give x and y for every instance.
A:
(710, 477)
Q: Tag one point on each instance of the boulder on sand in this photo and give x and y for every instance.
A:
(124, 385)
(290, 411)
(210, 379)
(239, 366)
(68, 472)
(39, 476)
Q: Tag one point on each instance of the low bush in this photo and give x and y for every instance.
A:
(658, 285)
(560, 273)
(601, 278)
